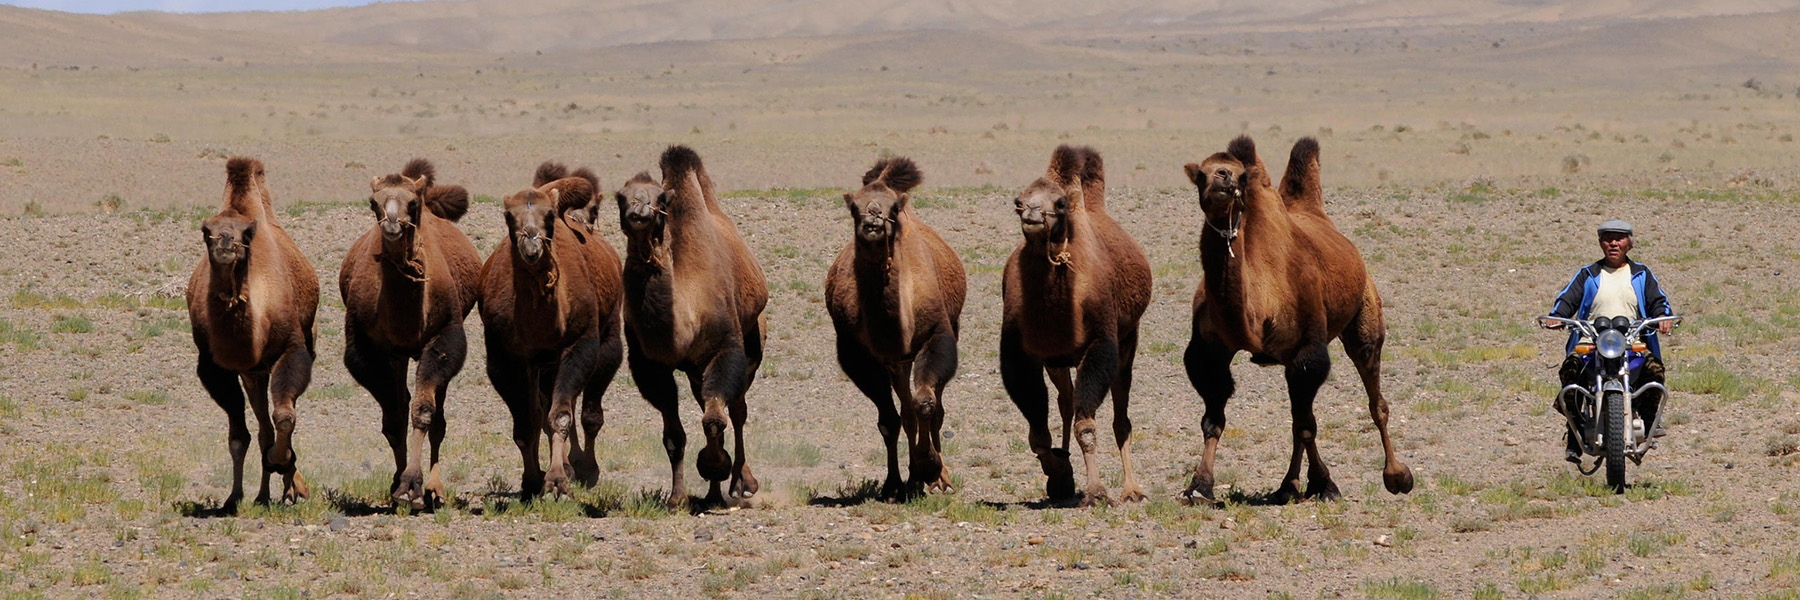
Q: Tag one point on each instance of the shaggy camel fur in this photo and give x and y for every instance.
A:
(407, 285)
(1280, 283)
(694, 299)
(251, 305)
(895, 294)
(550, 313)
(1074, 291)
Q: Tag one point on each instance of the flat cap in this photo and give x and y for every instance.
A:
(1615, 226)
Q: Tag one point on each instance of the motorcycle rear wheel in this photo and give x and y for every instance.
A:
(1614, 403)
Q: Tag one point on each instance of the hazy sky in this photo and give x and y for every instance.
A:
(113, 6)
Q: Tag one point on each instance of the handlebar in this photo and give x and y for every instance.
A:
(1587, 329)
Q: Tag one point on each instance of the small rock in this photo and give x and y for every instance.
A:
(1034, 540)
(1227, 524)
(599, 537)
(1510, 441)
(948, 434)
(338, 524)
(1191, 543)
(1082, 566)
(1730, 466)
(703, 536)
(1384, 541)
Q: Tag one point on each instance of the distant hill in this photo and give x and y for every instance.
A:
(528, 26)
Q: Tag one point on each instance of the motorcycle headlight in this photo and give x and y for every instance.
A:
(1611, 344)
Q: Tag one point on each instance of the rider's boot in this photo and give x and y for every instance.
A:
(1572, 449)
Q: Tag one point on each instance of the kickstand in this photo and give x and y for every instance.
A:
(1598, 460)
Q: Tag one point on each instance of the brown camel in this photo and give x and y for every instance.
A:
(1074, 291)
(407, 285)
(895, 294)
(694, 298)
(251, 305)
(550, 313)
(1280, 283)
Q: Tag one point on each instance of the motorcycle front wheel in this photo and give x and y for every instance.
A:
(1614, 403)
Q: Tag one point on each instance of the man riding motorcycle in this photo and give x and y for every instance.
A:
(1614, 286)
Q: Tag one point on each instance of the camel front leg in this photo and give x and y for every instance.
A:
(1023, 376)
(225, 390)
(290, 377)
(572, 372)
(1306, 372)
(1130, 490)
(1092, 380)
(720, 387)
(593, 406)
(441, 360)
(1208, 365)
(873, 381)
(935, 366)
(1065, 399)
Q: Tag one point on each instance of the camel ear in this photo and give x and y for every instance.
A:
(249, 233)
(619, 197)
(850, 202)
(416, 184)
(1193, 173)
(374, 184)
(901, 203)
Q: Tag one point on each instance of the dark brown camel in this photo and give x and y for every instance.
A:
(1074, 291)
(1280, 283)
(694, 298)
(407, 285)
(895, 294)
(550, 313)
(251, 305)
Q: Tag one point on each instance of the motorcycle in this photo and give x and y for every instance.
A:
(1600, 414)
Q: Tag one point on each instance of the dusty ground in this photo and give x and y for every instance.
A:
(112, 445)
(1469, 164)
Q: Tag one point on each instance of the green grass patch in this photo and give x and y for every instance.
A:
(71, 324)
(21, 337)
(1399, 588)
(147, 397)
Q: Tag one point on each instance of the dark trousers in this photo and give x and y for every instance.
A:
(1577, 371)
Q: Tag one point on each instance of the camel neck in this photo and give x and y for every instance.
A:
(1232, 268)
(230, 284)
(402, 263)
(648, 249)
(543, 276)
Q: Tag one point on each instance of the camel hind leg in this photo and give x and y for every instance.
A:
(1208, 364)
(1093, 379)
(1363, 339)
(1023, 376)
(511, 380)
(384, 378)
(656, 383)
(743, 482)
(593, 406)
(934, 367)
(256, 390)
(873, 381)
(569, 380)
(720, 390)
(1130, 490)
(225, 390)
(1306, 372)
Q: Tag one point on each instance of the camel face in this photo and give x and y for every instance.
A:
(228, 238)
(1222, 181)
(397, 211)
(643, 206)
(531, 221)
(875, 212)
(1042, 208)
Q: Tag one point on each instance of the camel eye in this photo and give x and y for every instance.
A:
(1062, 203)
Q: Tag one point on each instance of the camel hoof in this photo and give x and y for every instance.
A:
(744, 485)
(893, 490)
(531, 487)
(230, 507)
(410, 490)
(1132, 494)
(434, 490)
(941, 486)
(557, 485)
(587, 471)
(1060, 488)
(714, 464)
(293, 490)
(677, 502)
(1328, 492)
(1399, 481)
(1199, 491)
(1286, 494)
(1094, 496)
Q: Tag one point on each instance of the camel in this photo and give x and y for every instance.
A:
(694, 299)
(550, 313)
(251, 304)
(1280, 283)
(407, 285)
(895, 294)
(1074, 289)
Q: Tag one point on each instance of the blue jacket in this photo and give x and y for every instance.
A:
(1577, 298)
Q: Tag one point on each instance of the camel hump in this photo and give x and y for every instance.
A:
(588, 174)
(419, 167)
(447, 201)
(1300, 186)
(1093, 180)
(575, 192)
(548, 172)
(1065, 165)
(241, 174)
(898, 173)
(679, 163)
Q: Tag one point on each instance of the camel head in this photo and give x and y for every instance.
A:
(228, 236)
(531, 223)
(1223, 183)
(398, 206)
(1043, 208)
(875, 209)
(643, 206)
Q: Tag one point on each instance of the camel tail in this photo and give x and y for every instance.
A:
(1093, 180)
(240, 186)
(548, 172)
(899, 174)
(420, 167)
(1300, 187)
(447, 201)
(1065, 165)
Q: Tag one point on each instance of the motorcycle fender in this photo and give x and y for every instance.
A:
(1613, 385)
